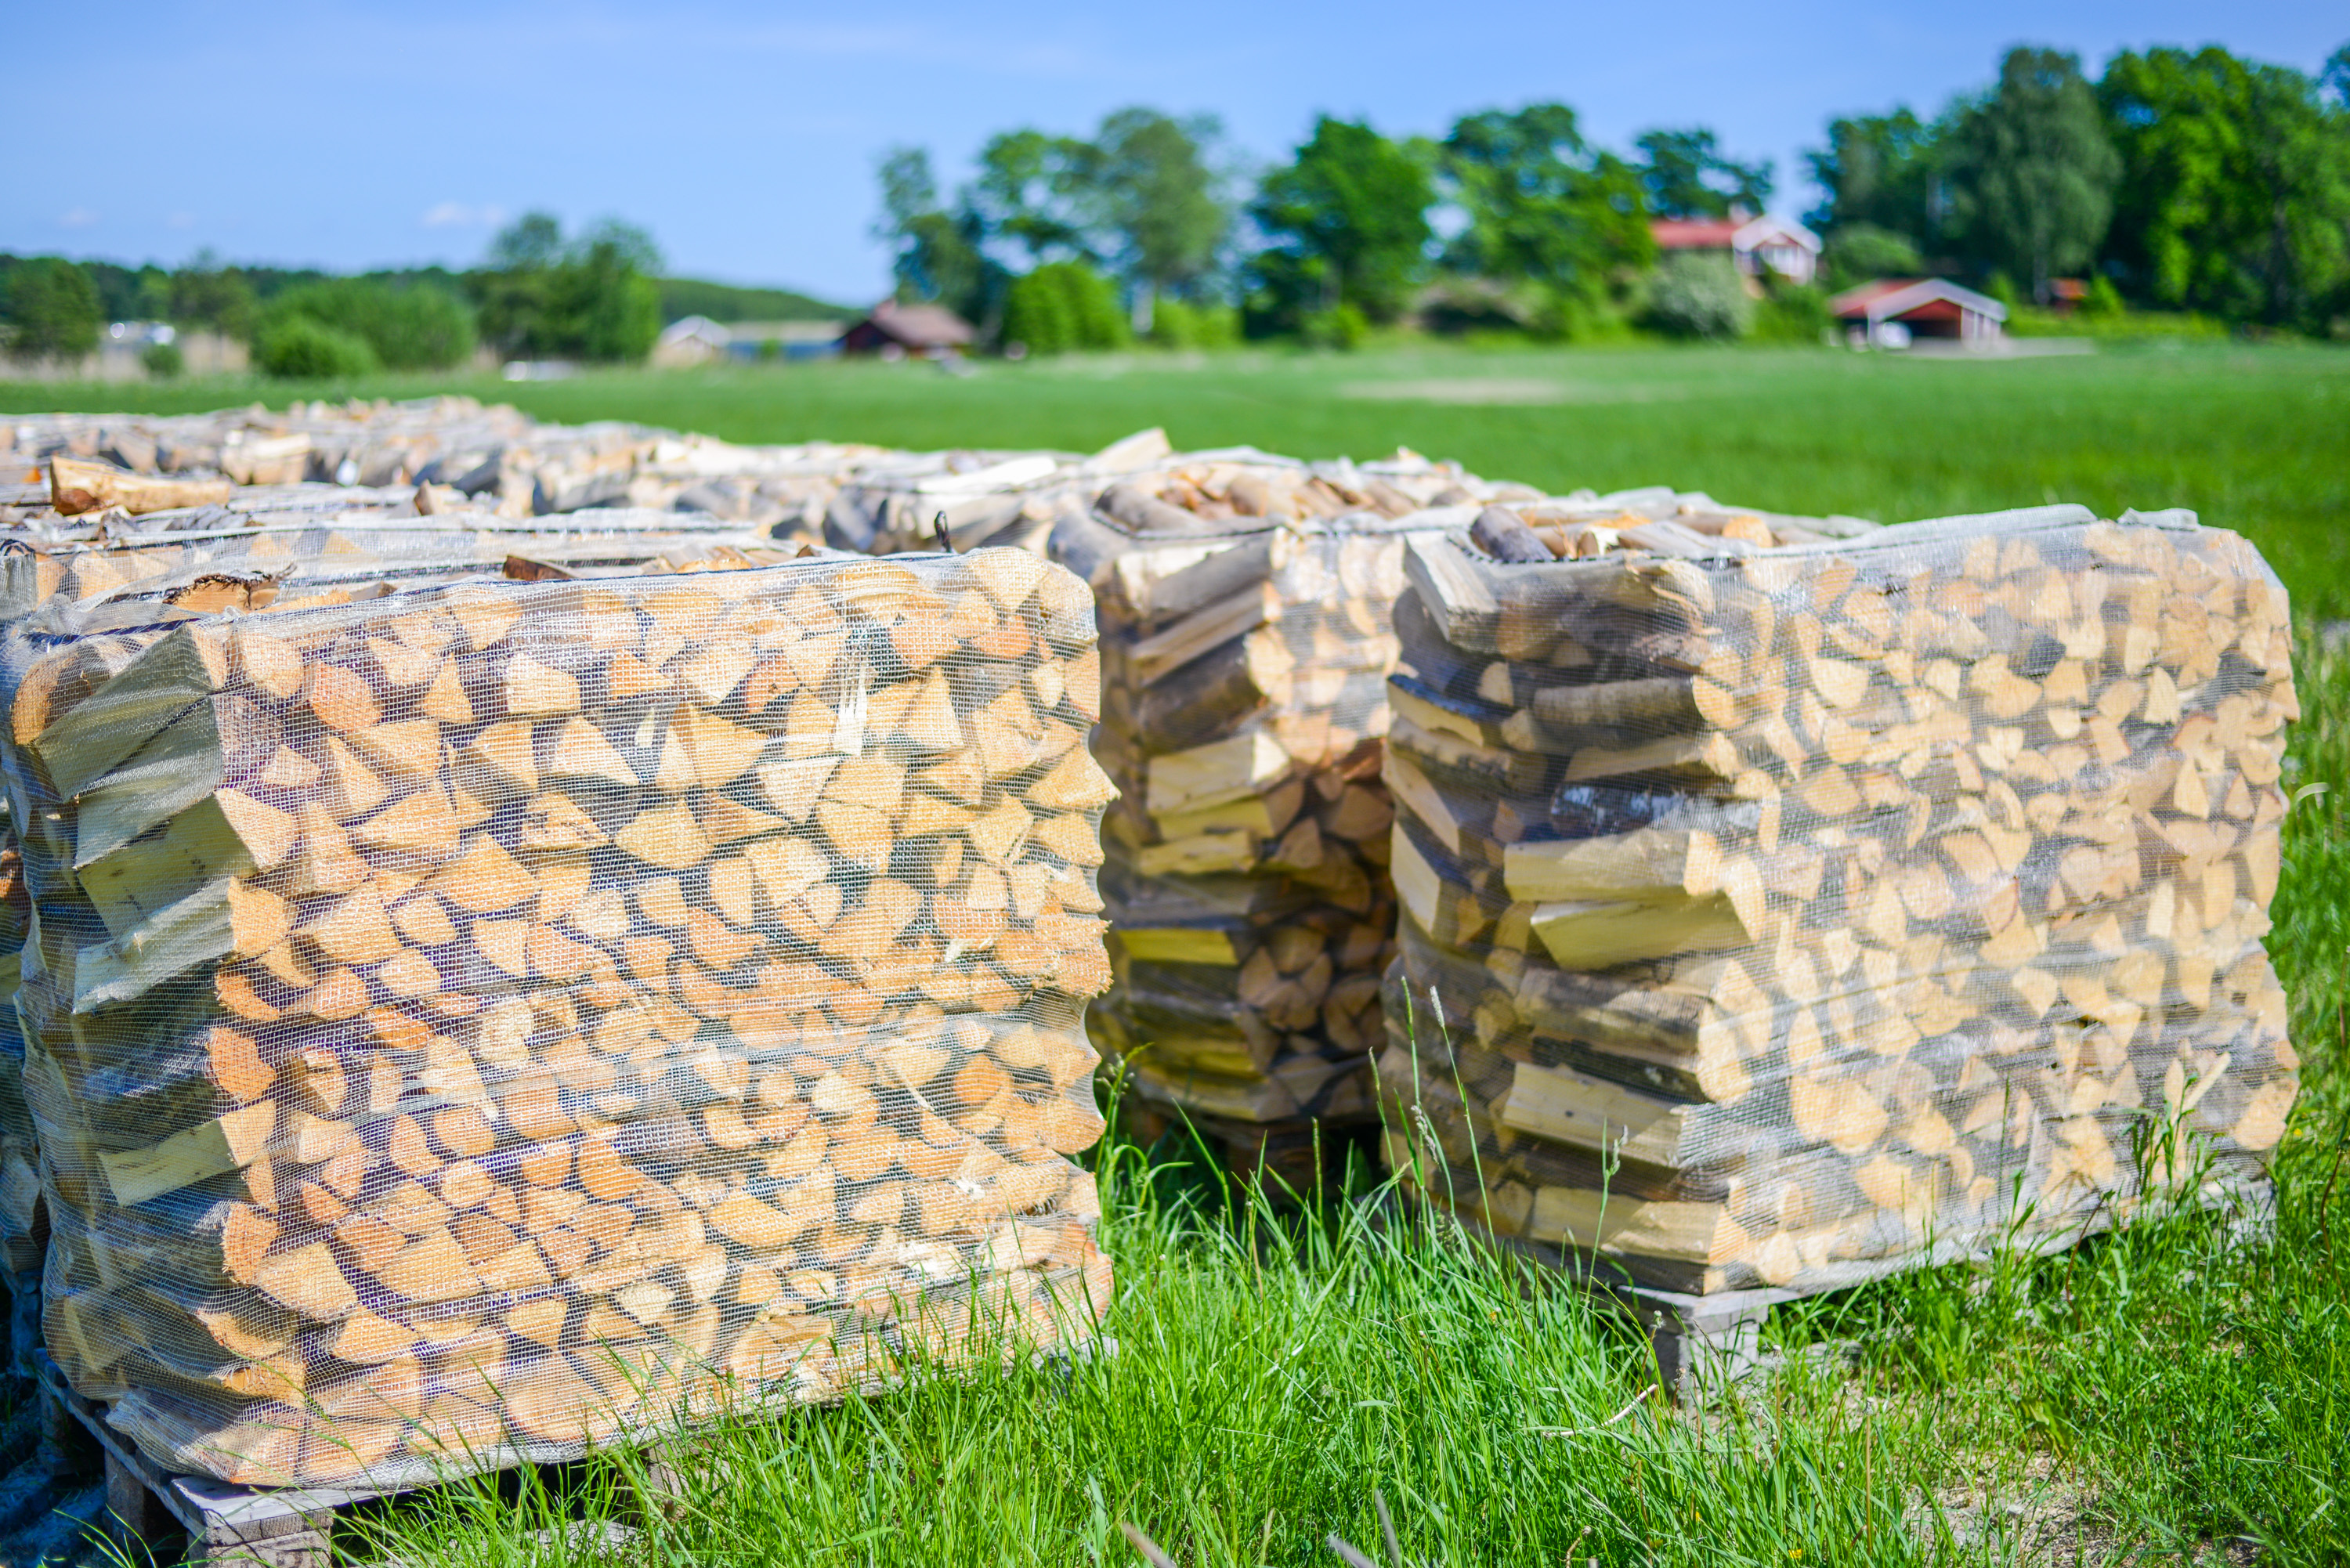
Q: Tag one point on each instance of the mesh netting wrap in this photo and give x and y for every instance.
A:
(1246, 602)
(23, 1219)
(303, 545)
(475, 1022)
(1778, 915)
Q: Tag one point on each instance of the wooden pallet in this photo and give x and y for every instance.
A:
(281, 1527)
(291, 1527)
(1705, 1343)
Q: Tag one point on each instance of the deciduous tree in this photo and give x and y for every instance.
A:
(1152, 188)
(937, 257)
(1684, 174)
(2235, 188)
(2032, 172)
(1880, 169)
(1348, 218)
(589, 298)
(1544, 206)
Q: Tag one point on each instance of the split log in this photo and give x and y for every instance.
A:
(78, 487)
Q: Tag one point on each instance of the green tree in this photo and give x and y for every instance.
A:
(408, 327)
(51, 309)
(592, 297)
(605, 299)
(533, 242)
(937, 256)
(300, 347)
(215, 299)
(2032, 171)
(1348, 219)
(1880, 170)
(2235, 186)
(1857, 253)
(1544, 207)
(1685, 175)
(1032, 191)
(1062, 306)
(1149, 187)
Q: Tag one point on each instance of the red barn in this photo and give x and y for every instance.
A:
(1891, 311)
(928, 331)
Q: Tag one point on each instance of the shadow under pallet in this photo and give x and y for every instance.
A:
(1705, 1343)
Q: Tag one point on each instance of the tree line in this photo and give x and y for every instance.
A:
(2177, 180)
(595, 296)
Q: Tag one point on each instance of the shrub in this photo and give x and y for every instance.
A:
(1583, 317)
(1792, 313)
(1344, 328)
(1178, 324)
(1700, 295)
(2103, 299)
(164, 361)
(1064, 306)
(299, 349)
(414, 326)
(1858, 252)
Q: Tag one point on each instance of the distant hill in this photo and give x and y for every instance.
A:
(684, 296)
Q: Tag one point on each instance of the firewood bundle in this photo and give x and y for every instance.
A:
(315, 524)
(1777, 914)
(475, 1020)
(919, 501)
(492, 459)
(304, 546)
(1246, 605)
(355, 442)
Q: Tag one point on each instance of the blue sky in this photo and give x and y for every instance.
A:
(349, 133)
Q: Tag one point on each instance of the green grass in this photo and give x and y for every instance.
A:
(2164, 1393)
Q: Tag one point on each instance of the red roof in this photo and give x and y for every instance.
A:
(1921, 300)
(1696, 233)
(1855, 301)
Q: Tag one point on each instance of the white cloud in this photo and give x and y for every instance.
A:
(80, 218)
(458, 216)
(180, 220)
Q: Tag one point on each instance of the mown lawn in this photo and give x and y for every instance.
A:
(2165, 1393)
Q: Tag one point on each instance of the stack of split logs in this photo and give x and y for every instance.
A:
(284, 546)
(1246, 604)
(917, 500)
(452, 452)
(1779, 910)
(477, 1020)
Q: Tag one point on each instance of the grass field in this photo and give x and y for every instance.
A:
(2161, 1394)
